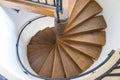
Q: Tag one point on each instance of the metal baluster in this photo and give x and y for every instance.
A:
(61, 5)
(54, 1)
(57, 11)
(46, 2)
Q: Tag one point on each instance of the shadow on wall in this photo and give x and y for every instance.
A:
(8, 38)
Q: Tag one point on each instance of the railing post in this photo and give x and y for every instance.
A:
(61, 6)
(59, 27)
(54, 1)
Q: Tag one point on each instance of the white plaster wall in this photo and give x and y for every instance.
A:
(8, 37)
(10, 24)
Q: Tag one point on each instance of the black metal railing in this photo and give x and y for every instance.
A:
(45, 2)
(109, 72)
(97, 67)
(56, 3)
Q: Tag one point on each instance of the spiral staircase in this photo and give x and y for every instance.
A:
(74, 49)
(72, 45)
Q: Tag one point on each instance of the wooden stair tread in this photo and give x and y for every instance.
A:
(96, 38)
(39, 38)
(71, 4)
(70, 68)
(87, 49)
(58, 70)
(89, 11)
(37, 54)
(42, 37)
(83, 61)
(93, 24)
(46, 32)
(46, 69)
(78, 7)
(51, 35)
(34, 51)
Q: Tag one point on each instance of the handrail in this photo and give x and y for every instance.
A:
(44, 3)
(56, 3)
(107, 68)
(33, 75)
(29, 5)
(108, 73)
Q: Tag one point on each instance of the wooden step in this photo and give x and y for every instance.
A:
(83, 61)
(71, 4)
(42, 37)
(58, 70)
(33, 56)
(45, 34)
(39, 38)
(35, 50)
(46, 69)
(87, 49)
(89, 11)
(50, 33)
(28, 6)
(78, 7)
(93, 24)
(95, 38)
(70, 68)
(37, 54)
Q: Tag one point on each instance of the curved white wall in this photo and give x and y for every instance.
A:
(8, 35)
(7, 44)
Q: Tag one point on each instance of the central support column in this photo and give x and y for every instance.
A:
(59, 27)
